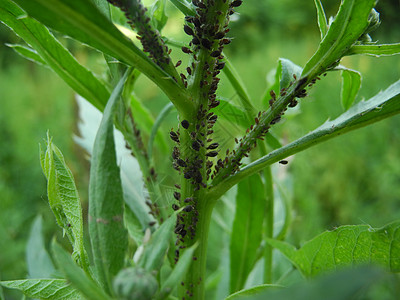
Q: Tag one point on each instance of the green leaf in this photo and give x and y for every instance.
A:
(106, 203)
(27, 53)
(322, 22)
(53, 54)
(349, 24)
(154, 129)
(82, 21)
(135, 229)
(158, 16)
(375, 49)
(351, 83)
(289, 71)
(155, 250)
(255, 290)
(185, 7)
(76, 276)
(383, 105)
(341, 285)
(51, 289)
(178, 273)
(246, 230)
(231, 113)
(346, 246)
(64, 199)
(38, 260)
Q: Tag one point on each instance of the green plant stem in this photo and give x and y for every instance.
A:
(268, 224)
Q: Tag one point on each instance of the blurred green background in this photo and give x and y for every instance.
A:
(354, 179)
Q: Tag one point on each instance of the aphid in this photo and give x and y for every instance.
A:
(198, 177)
(283, 162)
(188, 208)
(219, 35)
(175, 153)
(179, 228)
(188, 175)
(273, 95)
(220, 65)
(152, 223)
(231, 11)
(177, 196)
(195, 40)
(189, 70)
(206, 43)
(186, 50)
(178, 63)
(181, 163)
(294, 76)
(183, 76)
(215, 53)
(174, 136)
(236, 3)
(292, 103)
(175, 207)
(196, 145)
(177, 253)
(214, 104)
(187, 200)
(177, 186)
(185, 124)
(226, 41)
(212, 153)
(169, 51)
(188, 30)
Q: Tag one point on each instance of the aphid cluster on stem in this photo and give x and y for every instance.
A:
(150, 39)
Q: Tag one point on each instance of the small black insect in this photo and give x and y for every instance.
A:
(177, 196)
(236, 3)
(179, 228)
(178, 63)
(175, 207)
(283, 162)
(185, 124)
(187, 200)
(215, 53)
(181, 162)
(186, 50)
(206, 43)
(212, 154)
(174, 136)
(189, 70)
(188, 208)
(188, 30)
(196, 145)
(219, 35)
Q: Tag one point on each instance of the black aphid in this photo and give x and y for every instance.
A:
(188, 208)
(283, 162)
(196, 145)
(186, 50)
(219, 35)
(188, 30)
(220, 65)
(206, 43)
(215, 53)
(181, 162)
(195, 40)
(174, 136)
(189, 70)
(175, 206)
(236, 3)
(187, 200)
(213, 146)
(212, 154)
(177, 196)
(179, 228)
(185, 124)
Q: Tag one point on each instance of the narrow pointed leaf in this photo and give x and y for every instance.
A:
(76, 276)
(64, 199)
(375, 49)
(247, 230)
(346, 246)
(184, 6)
(157, 12)
(38, 260)
(82, 21)
(178, 273)
(350, 23)
(255, 290)
(351, 84)
(106, 203)
(383, 105)
(155, 250)
(47, 289)
(28, 53)
(53, 54)
(289, 71)
(341, 285)
(322, 22)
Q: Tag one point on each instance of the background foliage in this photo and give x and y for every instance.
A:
(33, 99)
